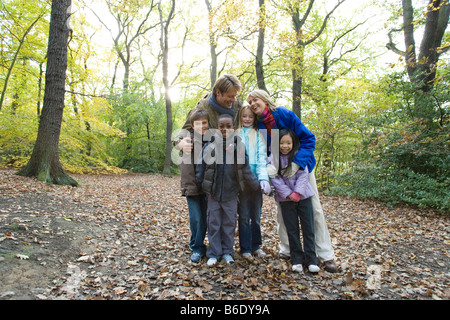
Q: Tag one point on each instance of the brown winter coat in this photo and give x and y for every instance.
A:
(187, 174)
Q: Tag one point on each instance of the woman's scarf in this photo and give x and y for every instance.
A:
(218, 108)
(268, 120)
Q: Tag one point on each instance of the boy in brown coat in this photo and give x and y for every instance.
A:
(196, 199)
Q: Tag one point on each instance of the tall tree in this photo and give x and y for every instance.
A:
(302, 39)
(422, 69)
(44, 162)
(133, 21)
(229, 22)
(212, 44)
(164, 41)
(259, 65)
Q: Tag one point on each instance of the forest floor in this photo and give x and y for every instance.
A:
(126, 237)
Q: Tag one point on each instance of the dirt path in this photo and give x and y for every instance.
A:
(126, 237)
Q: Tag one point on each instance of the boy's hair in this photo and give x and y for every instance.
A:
(198, 114)
(225, 82)
(225, 115)
(291, 155)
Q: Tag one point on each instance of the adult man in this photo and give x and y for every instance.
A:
(222, 99)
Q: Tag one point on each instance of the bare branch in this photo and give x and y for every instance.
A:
(391, 45)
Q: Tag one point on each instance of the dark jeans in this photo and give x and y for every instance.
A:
(197, 206)
(249, 221)
(291, 212)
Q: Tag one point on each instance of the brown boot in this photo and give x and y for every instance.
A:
(330, 266)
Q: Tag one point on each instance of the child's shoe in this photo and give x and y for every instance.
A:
(196, 257)
(259, 253)
(313, 268)
(297, 268)
(228, 258)
(211, 262)
(247, 255)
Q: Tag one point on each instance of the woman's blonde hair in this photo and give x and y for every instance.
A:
(264, 96)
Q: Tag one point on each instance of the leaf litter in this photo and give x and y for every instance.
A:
(126, 237)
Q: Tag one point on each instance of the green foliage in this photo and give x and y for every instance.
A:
(405, 158)
(394, 186)
(17, 135)
(142, 119)
(84, 138)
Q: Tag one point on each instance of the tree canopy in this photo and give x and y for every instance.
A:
(377, 102)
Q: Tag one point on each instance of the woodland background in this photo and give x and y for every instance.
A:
(377, 102)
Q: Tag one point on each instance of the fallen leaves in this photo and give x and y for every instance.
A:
(127, 237)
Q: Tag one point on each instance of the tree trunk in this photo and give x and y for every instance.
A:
(297, 81)
(260, 50)
(213, 67)
(212, 46)
(432, 38)
(44, 162)
(164, 41)
(299, 46)
(408, 34)
(422, 69)
(38, 106)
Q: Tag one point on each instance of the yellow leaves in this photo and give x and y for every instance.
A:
(233, 18)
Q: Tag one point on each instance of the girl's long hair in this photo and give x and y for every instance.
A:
(291, 155)
(254, 131)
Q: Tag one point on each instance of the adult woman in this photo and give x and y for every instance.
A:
(272, 117)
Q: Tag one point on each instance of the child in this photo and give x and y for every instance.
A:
(250, 203)
(221, 173)
(294, 195)
(195, 197)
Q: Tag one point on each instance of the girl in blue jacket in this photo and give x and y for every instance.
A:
(250, 203)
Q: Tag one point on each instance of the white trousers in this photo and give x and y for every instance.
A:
(324, 250)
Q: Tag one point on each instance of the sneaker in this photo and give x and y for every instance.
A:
(196, 257)
(297, 268)
(313, 268)
(259, 253)
(211, 262)
(228, 258)
(247, 255)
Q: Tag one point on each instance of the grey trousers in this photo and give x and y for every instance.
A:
(222, 217)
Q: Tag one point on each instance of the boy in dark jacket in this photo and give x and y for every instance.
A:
(195, 197)
(222, 172)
